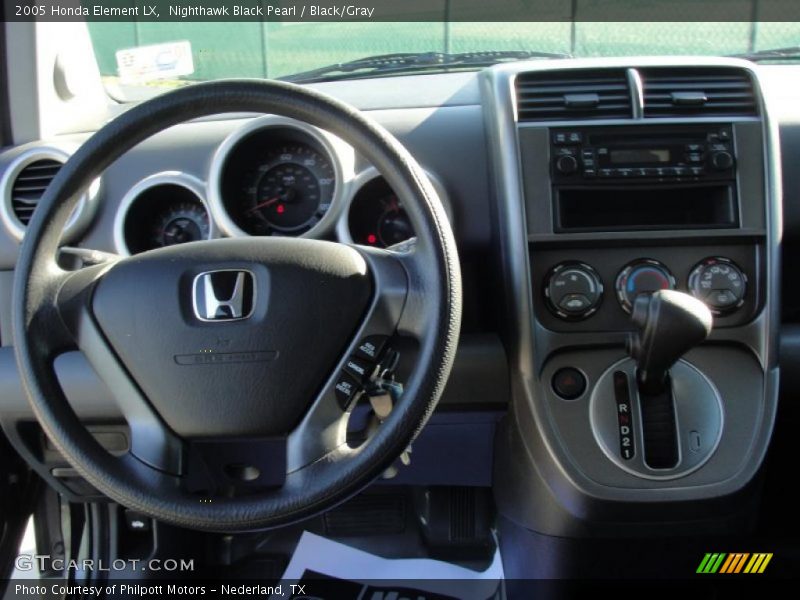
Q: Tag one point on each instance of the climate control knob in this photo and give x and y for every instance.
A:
(642, 276)
(720, 283)
(573, 290)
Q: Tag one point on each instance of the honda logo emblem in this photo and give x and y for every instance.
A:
(225, 295)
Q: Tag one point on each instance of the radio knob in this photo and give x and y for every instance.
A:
(573, 290)
(720, 283)
(722, 160)
(567, 164)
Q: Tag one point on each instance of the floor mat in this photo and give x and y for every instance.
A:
(324, 569)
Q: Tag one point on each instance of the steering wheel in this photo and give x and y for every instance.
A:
(228, 352)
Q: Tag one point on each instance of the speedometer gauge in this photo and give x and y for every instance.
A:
(288, 192)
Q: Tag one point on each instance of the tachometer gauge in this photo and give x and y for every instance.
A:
(288, 193)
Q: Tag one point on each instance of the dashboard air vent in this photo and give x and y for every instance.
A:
(29, 186)
(573, 94)
(698, 91)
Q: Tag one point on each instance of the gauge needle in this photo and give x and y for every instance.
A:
(265, 203)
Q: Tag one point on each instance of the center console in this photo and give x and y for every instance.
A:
(639, 219)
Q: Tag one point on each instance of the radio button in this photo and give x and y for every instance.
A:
(696, 171)
(606, 172)
(562, 138)
(679, 171)
(590, 173)
(694, 147)
(694, 157)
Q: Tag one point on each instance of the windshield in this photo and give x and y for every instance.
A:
(141, 59)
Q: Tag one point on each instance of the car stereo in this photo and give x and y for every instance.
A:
(652, 154)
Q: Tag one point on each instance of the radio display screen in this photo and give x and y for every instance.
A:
(641, 156)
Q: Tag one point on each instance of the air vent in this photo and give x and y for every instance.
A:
(573, 94)
(29, 186)
(23, 183)
(698, 91)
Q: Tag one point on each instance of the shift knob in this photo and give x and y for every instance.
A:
(670, 324)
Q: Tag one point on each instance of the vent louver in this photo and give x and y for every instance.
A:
(573, 94)
(29, 186)
(698, 91)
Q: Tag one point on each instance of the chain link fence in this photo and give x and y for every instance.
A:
(276, 49)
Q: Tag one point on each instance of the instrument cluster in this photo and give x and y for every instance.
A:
(269, 177)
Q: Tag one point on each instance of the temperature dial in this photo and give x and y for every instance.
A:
(720, 283)
(573, 291)
(643, 276)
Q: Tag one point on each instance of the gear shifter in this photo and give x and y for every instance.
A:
(670, 324)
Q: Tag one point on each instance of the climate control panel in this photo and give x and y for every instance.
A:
(574, 290)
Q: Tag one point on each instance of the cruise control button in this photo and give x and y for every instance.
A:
(346, 389)
(569, 383)
(358, 368)
(371, 346)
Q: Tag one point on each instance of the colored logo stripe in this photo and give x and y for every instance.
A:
(711, 562)
(735, 562)
(758, 563)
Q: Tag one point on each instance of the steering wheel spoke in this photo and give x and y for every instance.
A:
(323, 430)
(151, 440)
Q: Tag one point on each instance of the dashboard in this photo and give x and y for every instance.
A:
(573, 187)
